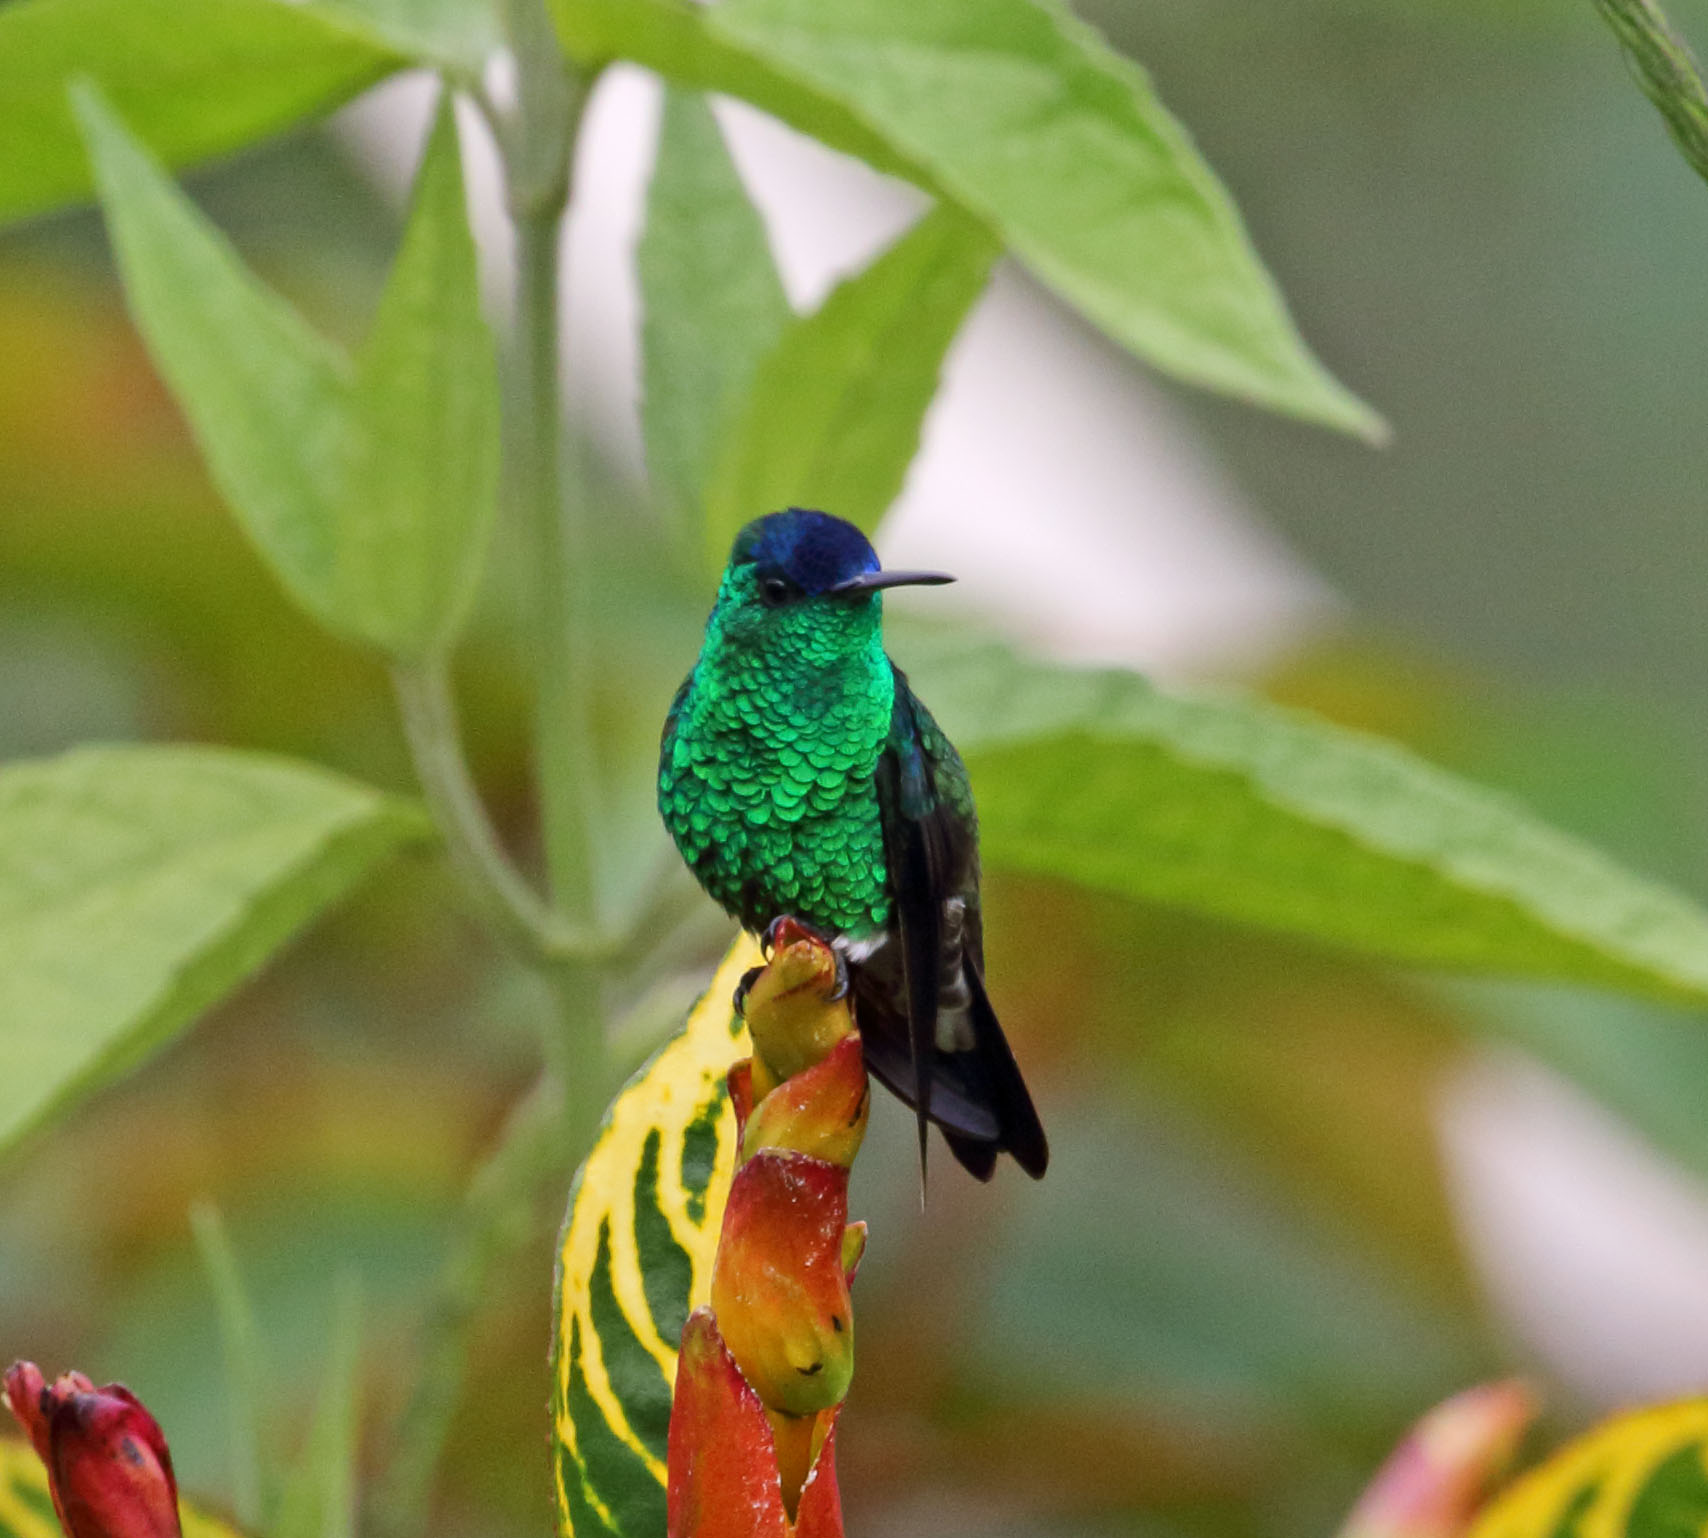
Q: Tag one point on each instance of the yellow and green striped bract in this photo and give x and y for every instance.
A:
(634, 1260)
(1640, 1475)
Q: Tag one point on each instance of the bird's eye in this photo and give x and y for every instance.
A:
(775, 590)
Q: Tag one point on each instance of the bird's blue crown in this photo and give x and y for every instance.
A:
(813, 550)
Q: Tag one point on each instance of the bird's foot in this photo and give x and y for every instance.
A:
(743, 988)
(785, 929)
(839, 991)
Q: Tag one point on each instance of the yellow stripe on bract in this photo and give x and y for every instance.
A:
(666, 1095)
(1614, 1461)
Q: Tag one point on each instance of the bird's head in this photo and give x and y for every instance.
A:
(804, 581)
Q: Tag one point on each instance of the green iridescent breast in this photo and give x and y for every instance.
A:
(766, 773)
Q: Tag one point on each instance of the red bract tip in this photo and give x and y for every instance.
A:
(107, 1461)
(25, 1395)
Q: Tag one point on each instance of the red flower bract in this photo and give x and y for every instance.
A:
(724, 1479)
(107, 1461)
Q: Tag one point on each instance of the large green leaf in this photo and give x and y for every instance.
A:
(367, 485)
(140, 885)
(1023, 117)
(1247, 812)
(195, 78)
(634, 1260)
(711, 301)
(834, 415)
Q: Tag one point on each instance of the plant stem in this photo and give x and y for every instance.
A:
(538, 159)
(513, 909)
(554, 1123)
(1666, 71)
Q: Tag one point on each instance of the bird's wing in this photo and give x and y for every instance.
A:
(674, 714)
(923, 853)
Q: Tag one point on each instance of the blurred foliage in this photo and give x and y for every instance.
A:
(1222, 1307)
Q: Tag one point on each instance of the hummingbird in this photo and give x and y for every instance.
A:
(800, 776)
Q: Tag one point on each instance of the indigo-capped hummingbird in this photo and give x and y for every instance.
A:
(800, 776)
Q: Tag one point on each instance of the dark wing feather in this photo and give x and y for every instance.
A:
(1005, 1090)
(916, 848)
(976, 1094)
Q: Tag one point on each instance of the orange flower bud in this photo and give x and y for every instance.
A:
(821, 1111)
(779, 1285)
(790, 1014)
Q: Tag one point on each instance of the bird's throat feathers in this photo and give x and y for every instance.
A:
(809, 669)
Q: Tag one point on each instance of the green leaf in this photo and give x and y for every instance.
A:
(412, 525)
(711, 302)
(1666, 70)
(670, 36)
(457, 35)
(368, 486)
(834, 415)
(240, 1342)
(267, 398)
(140, 885)
(1024, 118)
(195, 77)
(26, 1507)
(634, 1260)
(1246, 812)
(320, 1499)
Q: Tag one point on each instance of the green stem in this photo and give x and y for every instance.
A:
(549, 1129)
(1666, 71)
(513, 909)
(564, 760)
(538, 158)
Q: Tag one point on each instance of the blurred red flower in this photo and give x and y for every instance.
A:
(107, 1461)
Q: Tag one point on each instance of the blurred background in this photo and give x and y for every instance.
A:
(1295, 1199)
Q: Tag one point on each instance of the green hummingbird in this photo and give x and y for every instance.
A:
(800, 776)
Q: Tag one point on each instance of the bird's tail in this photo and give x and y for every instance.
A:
(977, 1096)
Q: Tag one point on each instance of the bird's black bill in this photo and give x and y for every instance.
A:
(869, 581)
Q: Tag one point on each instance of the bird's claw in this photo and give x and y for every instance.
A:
(839, 990)
(743, 988)
(769, 941)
